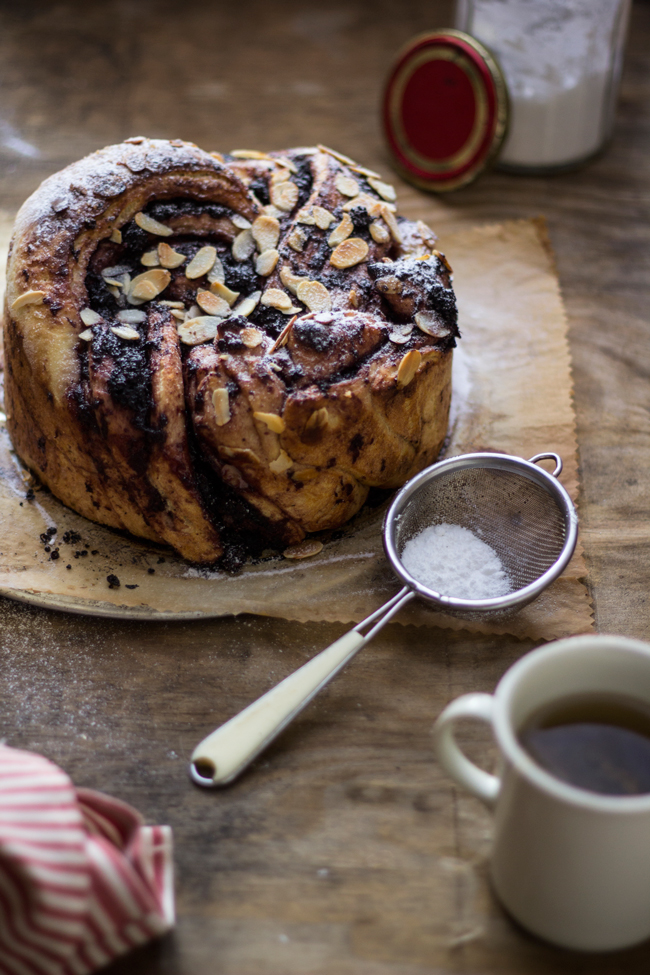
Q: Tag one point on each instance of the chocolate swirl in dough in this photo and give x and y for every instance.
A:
(207, 351)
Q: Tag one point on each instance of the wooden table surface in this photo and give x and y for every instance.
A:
(345, 850)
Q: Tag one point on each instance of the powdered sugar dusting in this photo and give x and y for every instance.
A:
(453, 561)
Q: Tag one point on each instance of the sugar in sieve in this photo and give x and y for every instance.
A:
(520, 510)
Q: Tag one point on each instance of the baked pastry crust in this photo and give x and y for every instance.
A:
(329, 374)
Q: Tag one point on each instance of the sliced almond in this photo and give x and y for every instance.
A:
(282, 339)
(152, 226)
(126, 332)
(116, 236)
(297, 239)
(352, 251)
(266, 232)
(318, 421)
(248, 305)
(337, 155)
(306, 216)
(364, 172)
(266, 262)
(390, 219)
(221, 404)
(243, 245)
(379, 232)
(272, 211)
(28, 298)
(241, 222)
(354, 297)
(305, 549)
(202, 261)
(149, 284)
(308, 474)
(282, 463)
(150, 258)
(341, 232)
(115, 272)
(195, 331)
(315, 295)
(346, 185)
(281, 175)
(385, 190)
(401, 334)
(86, 335)
(220, 289)
(284, 195)
(217, 273)
(408, 367)
(251, 337)
(429, 323)
(322, 217)
(289, 279)
(276, 298)
(177, 314)
(168, 257)
(286, 164)
(248, 154)
(212, 304)
(272, 420)
(89, 317)
(172, 304)
(441, 257)
(130, 316)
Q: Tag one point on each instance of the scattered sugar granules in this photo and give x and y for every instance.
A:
(453, 561)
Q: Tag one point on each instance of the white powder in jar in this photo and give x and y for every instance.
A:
(453, 561)
(562, 61)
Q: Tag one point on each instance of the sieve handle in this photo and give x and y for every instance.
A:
(220, 757)
(550, 455)
(479, 783)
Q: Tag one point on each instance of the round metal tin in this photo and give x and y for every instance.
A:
(445, 110)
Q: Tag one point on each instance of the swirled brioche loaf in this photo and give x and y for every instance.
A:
(201, 349)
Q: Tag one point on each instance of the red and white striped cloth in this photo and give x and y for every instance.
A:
(82, 880)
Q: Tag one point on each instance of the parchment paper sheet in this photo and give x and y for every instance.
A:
(512, 392)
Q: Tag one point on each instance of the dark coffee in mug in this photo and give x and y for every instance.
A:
(599, 742)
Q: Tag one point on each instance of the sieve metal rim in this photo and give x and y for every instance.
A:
(505, 462)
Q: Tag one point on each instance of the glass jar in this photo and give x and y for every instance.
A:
(562, 63)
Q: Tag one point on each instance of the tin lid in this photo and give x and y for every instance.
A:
(445, 109)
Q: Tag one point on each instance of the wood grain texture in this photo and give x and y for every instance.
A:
(345, 850)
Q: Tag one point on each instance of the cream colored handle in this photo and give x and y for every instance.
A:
(481, 784)
(220, 757)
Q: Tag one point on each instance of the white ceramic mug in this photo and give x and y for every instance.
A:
(570, 865)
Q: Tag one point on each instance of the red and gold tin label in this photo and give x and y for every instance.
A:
(445, 110)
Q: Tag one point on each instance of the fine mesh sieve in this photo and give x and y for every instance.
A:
(520, 510)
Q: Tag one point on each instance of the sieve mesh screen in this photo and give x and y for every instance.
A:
(516, 516)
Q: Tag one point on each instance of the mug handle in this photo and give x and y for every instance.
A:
(479, 783)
